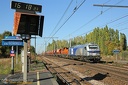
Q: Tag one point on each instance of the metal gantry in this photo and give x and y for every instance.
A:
(103, 5)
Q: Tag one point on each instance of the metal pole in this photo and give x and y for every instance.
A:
(12, 59)
(35, 47)
(12, 65)
(16, 54)
(116, 57)
(70, 41)
(25, 62)
(45, 47)
(29, 57)
(103, 5)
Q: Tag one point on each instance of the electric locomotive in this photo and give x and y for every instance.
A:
(86, 52)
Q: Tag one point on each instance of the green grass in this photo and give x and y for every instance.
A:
(5, 65)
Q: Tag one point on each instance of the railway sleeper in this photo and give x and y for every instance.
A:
(56, 67)
(71, 77)
(62, 80)
(76, 81)
(64, 72)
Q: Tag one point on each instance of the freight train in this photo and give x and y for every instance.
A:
(85, 52)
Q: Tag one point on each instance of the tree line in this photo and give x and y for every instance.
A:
(108, 40)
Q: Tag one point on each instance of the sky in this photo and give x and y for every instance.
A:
(65, 19)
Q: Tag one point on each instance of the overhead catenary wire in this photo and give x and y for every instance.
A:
(108, 23)
(92, 20)
(62, 17)
(123, 29)
(120, 23)
(115, 20)
(89, 21)
(75, 9)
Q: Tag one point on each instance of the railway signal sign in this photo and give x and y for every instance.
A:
(116, 51)
(12, 37)
(12, 53)
(12, 41)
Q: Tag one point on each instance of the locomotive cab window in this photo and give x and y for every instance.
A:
(85, 48)
(93, 47)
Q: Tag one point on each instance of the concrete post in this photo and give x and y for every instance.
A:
(25, 62)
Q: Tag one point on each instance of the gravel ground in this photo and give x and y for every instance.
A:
(93, 76)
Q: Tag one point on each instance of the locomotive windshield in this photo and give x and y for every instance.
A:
(93, 47)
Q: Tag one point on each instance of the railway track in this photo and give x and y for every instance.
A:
(108, 73)
(112, 71)
(66, 76)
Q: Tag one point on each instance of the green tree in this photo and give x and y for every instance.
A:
(4, 50)
(123, 42)
(107, 38)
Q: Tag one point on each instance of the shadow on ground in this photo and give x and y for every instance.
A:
(98, 76)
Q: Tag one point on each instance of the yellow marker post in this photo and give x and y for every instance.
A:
(38, 77)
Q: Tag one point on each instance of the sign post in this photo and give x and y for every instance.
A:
(12, 65)
(12, 41)
(27, 23)
(25, 61)
(116, 52)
